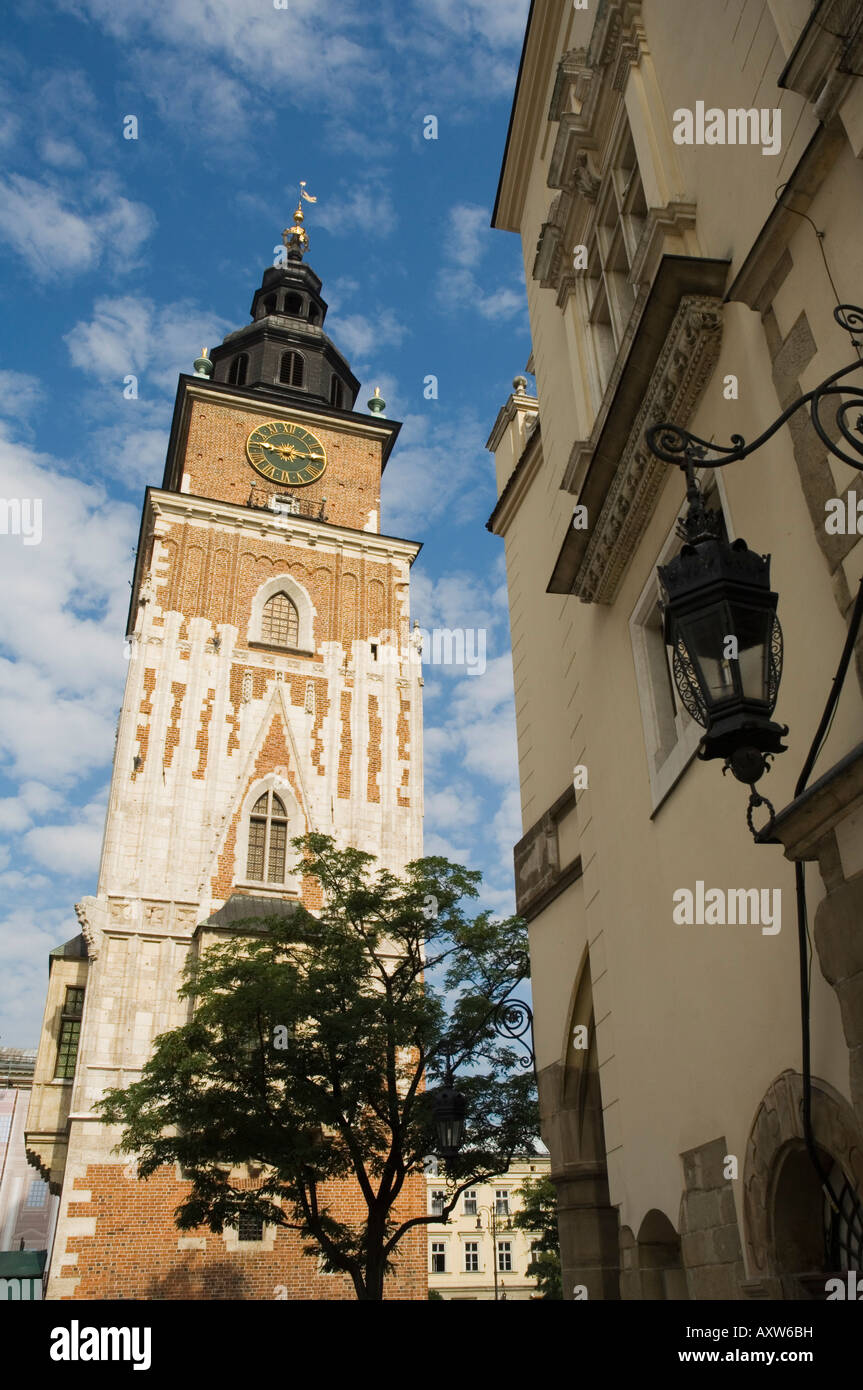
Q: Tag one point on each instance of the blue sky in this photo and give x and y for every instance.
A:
(124, 256)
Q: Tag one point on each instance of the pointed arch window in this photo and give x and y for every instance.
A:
(292, 370)
(280, 621)
(268, 839)
(336, 394)
(237, 370)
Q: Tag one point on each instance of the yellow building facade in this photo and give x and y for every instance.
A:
(477, 1254)
(685, 178)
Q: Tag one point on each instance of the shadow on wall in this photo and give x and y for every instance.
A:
(210, 1284)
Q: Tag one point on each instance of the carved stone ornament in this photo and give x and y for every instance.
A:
(585, 182)
(92, 914)
(687, 359)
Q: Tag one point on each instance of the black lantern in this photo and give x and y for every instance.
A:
(449, 1115)
(720, 622)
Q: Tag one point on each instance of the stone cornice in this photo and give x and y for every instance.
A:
(687, 360)
(528, 109)
(280, 526)
(672, 355)
(829, 46)
(518, 484)
(515, 405)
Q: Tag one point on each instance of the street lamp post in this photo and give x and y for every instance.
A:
(492, 1228)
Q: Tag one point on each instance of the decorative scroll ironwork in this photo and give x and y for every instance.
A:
(843, 1229)
(774, 664)
(687, 685)
(514, 1019)
(678, 446)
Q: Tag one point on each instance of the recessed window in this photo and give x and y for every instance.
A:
(293, 305)
(470, 1202)
(471, 1256)
(621, 215)
(70, 1033)
(501, 1202)
(504, 1256)
(314, 313)
(268, 839)
(438, 1202)
(280, 621)
(292, 370)
(336, 393)
(250, 1227)
(438, 1257)
(237, 370)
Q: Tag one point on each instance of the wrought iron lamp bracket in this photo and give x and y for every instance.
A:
(679, 447)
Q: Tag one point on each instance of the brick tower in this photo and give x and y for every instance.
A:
(267, 693)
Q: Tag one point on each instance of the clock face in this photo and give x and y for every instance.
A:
(286, 453)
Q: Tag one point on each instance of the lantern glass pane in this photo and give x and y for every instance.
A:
(704, 635)
(752, 627)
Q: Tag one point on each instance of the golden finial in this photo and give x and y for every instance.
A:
(296, 238)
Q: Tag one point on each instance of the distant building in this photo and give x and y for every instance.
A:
(27, 1209)
(477, 1250)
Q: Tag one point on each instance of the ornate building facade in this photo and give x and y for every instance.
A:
(685, 180)
(267, 695)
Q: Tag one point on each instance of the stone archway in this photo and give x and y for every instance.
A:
(572, 1127)
(652, 1263)
(783, 1204)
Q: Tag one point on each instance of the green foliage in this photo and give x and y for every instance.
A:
(539, 1213)
(313, 1045)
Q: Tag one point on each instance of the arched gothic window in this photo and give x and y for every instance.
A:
(268, 839)
(292, 369)
(237, 370)
(280, 622)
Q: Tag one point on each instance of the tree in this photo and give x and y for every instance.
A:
(539, 1213)
(314, 1042)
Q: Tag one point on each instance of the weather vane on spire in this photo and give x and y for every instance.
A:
(296, 238)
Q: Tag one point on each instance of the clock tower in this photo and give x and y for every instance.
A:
(270, 691)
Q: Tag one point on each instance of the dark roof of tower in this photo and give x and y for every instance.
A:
(285, 348)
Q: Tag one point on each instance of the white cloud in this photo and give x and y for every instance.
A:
(366, 208)
(500, 23)
(20, 393)
(360, 335)
(422, 485)
(131, 334)
(468, 226)
(61, 153)
(71, 849)
(60, 677)
(38, 223)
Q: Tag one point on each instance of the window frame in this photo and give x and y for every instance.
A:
(503, 1251)
(437, 1250)
(293, 622)
(671, 736)
(71, 1019)
(269, 819)
(470, 1249)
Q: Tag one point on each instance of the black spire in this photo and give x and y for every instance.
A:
(285, 345)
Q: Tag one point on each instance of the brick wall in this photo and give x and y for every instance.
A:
(136, 1251)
